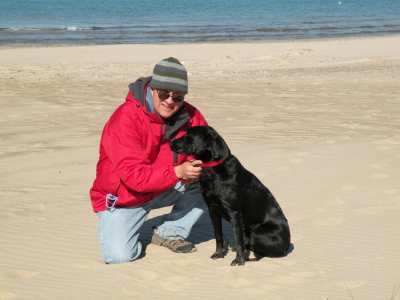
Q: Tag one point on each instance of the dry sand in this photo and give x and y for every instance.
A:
(317, 121)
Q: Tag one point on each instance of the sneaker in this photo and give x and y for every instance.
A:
(178, 246)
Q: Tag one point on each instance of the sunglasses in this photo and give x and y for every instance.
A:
(164, 95)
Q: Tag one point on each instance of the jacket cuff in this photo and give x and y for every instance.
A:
(171, 171)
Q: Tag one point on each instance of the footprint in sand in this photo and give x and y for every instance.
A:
(148, 275)
(25, 274)
(375, 210)
(127, 291)
(383, 148)
(348, 188)
(291, 279)
(174, 283)
(376, 166)
(369, 211)
(6, 295)
(328, 221)
(346, 138)
(302, 153)
(379, 176)
(283, 168)
(305, 274)
(339, 201)
(241, 282)
(391, 191)
(299, 157)
(296, 160)
(330, 142)
(351, 284)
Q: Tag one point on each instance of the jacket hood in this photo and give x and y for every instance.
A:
(138, 90)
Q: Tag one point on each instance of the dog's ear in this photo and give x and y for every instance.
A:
(198, 145)
(220, 149)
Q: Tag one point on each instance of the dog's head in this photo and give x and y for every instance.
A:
(203, 142)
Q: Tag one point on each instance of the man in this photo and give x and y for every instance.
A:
(137, 170)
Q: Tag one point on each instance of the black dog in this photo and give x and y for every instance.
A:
(238, 196)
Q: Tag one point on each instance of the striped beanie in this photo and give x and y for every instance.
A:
(169, 74)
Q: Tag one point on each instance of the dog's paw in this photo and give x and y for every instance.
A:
(238, 261)
(221, 252)
(217, 255)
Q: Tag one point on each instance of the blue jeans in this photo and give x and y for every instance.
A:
(119, 227)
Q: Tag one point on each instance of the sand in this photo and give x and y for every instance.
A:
(317, 121)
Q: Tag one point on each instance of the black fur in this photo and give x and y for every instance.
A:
(235, 194)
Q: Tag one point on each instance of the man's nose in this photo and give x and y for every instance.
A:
(169, 100)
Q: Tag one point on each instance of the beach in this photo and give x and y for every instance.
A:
(316, 120)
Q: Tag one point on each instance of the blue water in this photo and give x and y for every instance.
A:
(162, 21)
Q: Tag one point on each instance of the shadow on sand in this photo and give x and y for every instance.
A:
(201, 232)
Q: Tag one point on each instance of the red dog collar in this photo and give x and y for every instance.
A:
(208, 164)
(212, 163)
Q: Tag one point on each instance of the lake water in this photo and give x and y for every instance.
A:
(176, 21)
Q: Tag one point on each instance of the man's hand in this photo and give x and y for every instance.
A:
(189, 171)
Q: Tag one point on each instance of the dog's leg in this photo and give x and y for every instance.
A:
(238, 232)
(216, 219)
(247, 242)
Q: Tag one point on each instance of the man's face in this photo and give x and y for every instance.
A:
(166, 103)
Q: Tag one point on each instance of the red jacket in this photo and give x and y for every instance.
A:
(136, 162)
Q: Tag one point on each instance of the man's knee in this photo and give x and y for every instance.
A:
(117, 254)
